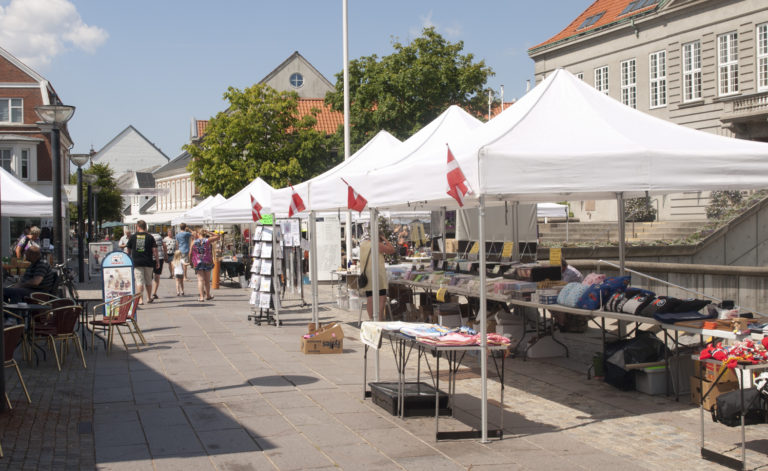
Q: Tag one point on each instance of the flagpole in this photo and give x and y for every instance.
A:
(374, 257)
(345, 40)
(483, 324)
(313, 265)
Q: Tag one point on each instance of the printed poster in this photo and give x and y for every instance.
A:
(117, 279)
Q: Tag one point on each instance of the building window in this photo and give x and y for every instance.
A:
(601, 79)
(11, 110)
(692, 71)
(297, 80)
(728, 63)
(591, 20)
(6, 160)
(580, 76)
(762, 57)
(629, 83)
(24, 164)
(658, 71)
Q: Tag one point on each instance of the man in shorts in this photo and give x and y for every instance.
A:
(161, 251)
(142, 249)
(182, 241)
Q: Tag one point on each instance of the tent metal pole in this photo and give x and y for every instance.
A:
(374, 256)
(313, 265)
(276, 294)
(622, 248)
(443, 233)
(516, 230)
(347, 152)
(483, 324)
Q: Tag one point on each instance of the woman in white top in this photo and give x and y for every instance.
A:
(385, 248)
(170, 245)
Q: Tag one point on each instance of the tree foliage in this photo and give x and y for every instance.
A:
(406, 90)
(639, 210)
(109, 200)
(260, 135)
(720, 202)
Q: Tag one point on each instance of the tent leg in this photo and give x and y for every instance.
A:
(313, 265)
(483, 323)
(374, 257)
(622, 249)
(516, 230)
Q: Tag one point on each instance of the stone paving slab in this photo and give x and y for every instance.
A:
(213, 391)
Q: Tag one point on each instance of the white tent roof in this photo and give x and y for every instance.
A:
(331, 193)
(20, 200)
(237, 209)
(563, 139)
(201, 213)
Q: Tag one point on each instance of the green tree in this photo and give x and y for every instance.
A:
(406, 90)
(721, 202)
(109, 201)
(260, 135)
(639, 210)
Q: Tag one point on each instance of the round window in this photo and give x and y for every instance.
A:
(297, 80)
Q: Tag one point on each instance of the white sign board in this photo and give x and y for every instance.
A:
(328, 247)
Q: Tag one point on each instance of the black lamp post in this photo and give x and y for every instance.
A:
(54, 117)
(96, 189)
(80, 160)
(90, 180)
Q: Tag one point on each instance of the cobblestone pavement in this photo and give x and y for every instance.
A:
(213, 391)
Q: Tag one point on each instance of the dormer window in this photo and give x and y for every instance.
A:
(591, 20)
(11, 110)
(297, 80)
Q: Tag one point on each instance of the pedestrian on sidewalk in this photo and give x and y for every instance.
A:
(158, 271)
(142, 249)
(178, 273)
(182, 240)
(201, 257)
(170, 246)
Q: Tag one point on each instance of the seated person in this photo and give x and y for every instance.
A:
(38, 277)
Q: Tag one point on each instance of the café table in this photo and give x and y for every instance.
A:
(84, 298)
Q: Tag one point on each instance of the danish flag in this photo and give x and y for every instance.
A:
(355, 200)
(458, 186)
(297, 204)
(255, 209)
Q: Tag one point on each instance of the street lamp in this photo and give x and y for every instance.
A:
(80, 160)
(90, 179)
(56, 116)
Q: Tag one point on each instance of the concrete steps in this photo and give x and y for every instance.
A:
(609, 232)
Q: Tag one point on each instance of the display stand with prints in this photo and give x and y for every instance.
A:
(264, 275)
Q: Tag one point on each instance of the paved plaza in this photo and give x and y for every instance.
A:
(211, 390)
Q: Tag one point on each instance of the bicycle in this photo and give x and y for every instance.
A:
(65, 281)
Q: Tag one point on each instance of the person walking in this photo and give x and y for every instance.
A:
(158, 271)
(142, 249)
(170, 246)
(182, 242)
(123, 242)
(178, 273)
(201, 257)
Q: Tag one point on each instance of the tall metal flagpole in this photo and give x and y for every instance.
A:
(313, 266)
(483, 324)
(345, 39)
(374, 278)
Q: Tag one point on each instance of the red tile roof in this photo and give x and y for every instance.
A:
(327, 119)
(611, 11)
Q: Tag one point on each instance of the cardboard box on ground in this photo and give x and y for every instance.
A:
(329, 338)
(710, 372)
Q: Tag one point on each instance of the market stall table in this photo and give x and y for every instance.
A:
(402, 345)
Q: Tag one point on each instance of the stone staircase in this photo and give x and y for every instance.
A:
(602, 232)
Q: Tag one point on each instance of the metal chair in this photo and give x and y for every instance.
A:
(115, 315)
(58, 324)
(132, 319)
(40, 297)
(11, 337)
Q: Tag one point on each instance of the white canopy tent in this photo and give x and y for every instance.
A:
(563, 140)
(201, 213)
(237, 208)
(19, 200)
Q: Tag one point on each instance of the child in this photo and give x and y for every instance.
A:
(178, 273)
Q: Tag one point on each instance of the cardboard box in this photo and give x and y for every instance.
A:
(711, 399)
(712, 370)
(328, 338)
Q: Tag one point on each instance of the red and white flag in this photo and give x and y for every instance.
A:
(355, 200)
(297, 204)
(458, 186)
(255, 209)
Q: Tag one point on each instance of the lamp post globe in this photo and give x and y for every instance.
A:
(54, 117)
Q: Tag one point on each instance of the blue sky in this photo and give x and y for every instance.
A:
(156, 64)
